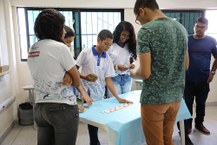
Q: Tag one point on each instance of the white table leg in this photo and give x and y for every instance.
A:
(30, 90)
(182, 131)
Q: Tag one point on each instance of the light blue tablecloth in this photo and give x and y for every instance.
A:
(123, 126)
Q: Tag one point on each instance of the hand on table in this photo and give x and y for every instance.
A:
(121, 100)
(81, 108)
(87, 99)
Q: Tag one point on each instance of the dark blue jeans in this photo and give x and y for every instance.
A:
(198, 91)
(57, 124)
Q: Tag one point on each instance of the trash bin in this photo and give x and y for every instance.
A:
(25, 113)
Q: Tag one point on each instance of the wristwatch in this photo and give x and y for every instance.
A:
(213, 72)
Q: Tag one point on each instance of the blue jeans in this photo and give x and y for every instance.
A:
(57, 124)
(122, 84)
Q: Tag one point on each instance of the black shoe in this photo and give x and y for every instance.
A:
(188, 141)
(189, 129)
(201, 128)
(95, 144)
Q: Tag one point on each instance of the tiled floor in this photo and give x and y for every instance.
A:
(26, 135)
(198, 138)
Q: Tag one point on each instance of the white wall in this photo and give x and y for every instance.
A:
(7, 82)
(167, 4)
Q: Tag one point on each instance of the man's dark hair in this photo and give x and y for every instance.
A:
(103, 34)
(49, 25)
(202, 20)
(69, 32)
(151, 4)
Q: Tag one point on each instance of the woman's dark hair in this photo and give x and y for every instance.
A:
(104, 34)
(126, 26)
(151, 4)
(49, 25)
(69, 32)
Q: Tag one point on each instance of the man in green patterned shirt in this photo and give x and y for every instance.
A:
(162, 51)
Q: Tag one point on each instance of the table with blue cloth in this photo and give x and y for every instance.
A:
(121, 122)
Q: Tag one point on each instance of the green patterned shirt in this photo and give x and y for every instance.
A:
(166, 40)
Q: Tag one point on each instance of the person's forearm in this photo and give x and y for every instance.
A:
(186, 61)
(111, 88)
(137, 75)
(143, 70)
(214, 66)
(84, 96)
(83, 77)
(73, 72)
(81, 90)
(114, 93)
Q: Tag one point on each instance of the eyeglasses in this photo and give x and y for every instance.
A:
(136, 20)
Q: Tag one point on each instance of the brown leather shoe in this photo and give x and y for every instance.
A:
(201, 128)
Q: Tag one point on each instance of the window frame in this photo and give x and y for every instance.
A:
(189, 28)
(76, 12)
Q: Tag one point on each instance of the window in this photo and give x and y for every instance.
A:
(189, 17)
(186, 17)
(86, 22)
(89, 21)
(212, 21)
